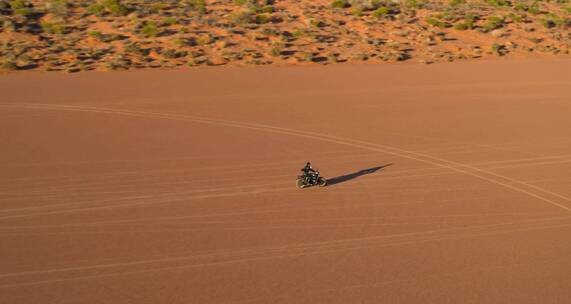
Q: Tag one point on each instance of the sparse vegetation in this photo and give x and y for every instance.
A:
(73, 36)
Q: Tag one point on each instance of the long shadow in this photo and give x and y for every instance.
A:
(354, 175)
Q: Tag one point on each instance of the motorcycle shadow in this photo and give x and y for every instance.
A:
(354, 175)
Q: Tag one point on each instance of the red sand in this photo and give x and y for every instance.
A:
(178, 186)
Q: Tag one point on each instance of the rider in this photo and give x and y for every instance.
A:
(308, 170)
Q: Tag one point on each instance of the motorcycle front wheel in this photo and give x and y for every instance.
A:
(321, 182)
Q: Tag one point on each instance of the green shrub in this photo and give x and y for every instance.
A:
(534, 9)
(437, 23)
(382, 12)
(357, 11)
(96, 34)
(113, 7)
(198, 6)
(150, 30)
(456, 2)
(53, 28)
(22, 8)
(552, 20)
(242, 17)
(461, 26)
(275, 51)
(170, 21)
(9, 65)
(174, 54)
(340, 4)
(498, 2)
(414, 4)
(492, 23)
(516, 18)
(262, 18)
(267, 9)
(316, 23)
(368, 5)
(19, 4)
(297, 33)
(204, 39)
(59, 8)
(96, 9)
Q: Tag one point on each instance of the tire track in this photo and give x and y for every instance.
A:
(289, 251)
(421, 157)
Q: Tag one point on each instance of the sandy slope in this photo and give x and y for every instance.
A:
(178, 186)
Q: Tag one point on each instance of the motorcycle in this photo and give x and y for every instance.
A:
(312, 179)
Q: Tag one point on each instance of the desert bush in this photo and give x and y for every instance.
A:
(174, 54)
(105, 37)
(516, 18)
(59, 8)
(113, 7)
(134, 48)
(204, 39)
(150, 29)
(316, 22)
(437, 23)
(461, 26)
(498, 49)
(242, 17)
(275, 51)
(22, 8)
(382, 12)
(244, 2)
(297, 33)
(456, 2)
(340, 4)
(498, 2)
(95, 34)
(534, 9)
(9, 65)
(157, 7)
(96, 9)
(170, 21)
(492, 23)
(19, 4)
(262, 18)
(357, 11)
(367, 5)
(198, 6)
(414, 4)
(268, 9)
(53, 28)
(552, 20)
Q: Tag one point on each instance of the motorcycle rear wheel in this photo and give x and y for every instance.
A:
(300, 184)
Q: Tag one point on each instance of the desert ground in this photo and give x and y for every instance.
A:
(449, 183)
